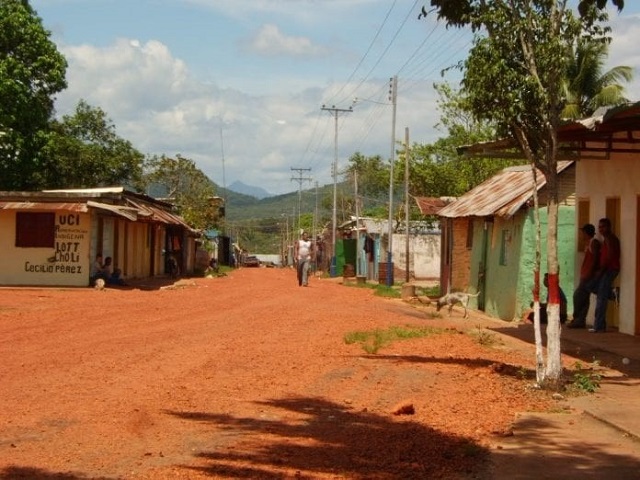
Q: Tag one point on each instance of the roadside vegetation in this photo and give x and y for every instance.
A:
(372, 341)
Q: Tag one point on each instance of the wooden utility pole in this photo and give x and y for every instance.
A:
(393, 97)
(300, 178)
(335, 111)
(406, 200)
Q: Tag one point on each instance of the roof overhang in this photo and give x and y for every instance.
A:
(609, 131)
(66, 206)
(126, 212)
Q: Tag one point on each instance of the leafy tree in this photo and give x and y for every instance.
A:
(438, 169)
(587, 87)
(373, 174)
(373, 187)
(84, 151)
(187, 187)
(513, 77)
(32, 71)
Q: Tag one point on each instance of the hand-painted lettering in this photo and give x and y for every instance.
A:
(29, 267)
(69, 219)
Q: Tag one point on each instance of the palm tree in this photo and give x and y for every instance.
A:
(587, 88)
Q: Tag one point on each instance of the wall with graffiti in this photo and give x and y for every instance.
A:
(44, 248)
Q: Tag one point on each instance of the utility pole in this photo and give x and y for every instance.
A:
(406, 201)
(315, 233)
(300, 178)
(335, 112)
(355, 187)
(393, 97)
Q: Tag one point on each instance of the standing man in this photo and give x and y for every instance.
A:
(588, 270)
(302, 251)
(608, 270)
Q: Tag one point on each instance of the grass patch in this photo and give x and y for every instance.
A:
(585, 379)
(431, 292)
(483, 336)
(379, 290)
(373, 340)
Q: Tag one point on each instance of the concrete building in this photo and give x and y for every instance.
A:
(51, 238)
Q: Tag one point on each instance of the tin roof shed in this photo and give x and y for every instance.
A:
(501, 195)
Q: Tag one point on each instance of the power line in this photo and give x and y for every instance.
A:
(375, 37)
(335, 112)
(300, 178)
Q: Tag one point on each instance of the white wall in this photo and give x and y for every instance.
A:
(424, 254)
(66, 264)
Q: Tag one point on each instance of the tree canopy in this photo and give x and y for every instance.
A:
(588, 87)
(438, 169)
(84, 151)
(181, 182)
(32, 71)
(513, 77)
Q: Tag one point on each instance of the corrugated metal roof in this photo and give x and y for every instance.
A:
(134, 207)
(158, 215)
(126, 212)
(88, 190)
(70, 207)
(371, 225)
(432, 205)
(501, 195)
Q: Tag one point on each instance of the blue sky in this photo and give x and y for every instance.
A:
(238, 86)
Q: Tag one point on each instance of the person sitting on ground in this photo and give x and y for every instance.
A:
(212, 269)
(113, 276)
(543, 306)
(97, 269)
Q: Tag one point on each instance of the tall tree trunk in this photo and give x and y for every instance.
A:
(536, 280)
(553, 371)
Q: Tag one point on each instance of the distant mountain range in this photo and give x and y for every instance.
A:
(240, 207)
(252, 191)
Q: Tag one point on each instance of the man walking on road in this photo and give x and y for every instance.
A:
(302, 252)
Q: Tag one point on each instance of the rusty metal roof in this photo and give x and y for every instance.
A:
(71, 207)
(126, 212)
(152, 213)
(115, 200)
(432, 205)
(501, 195)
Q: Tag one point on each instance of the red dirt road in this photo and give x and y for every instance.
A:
(245, 376)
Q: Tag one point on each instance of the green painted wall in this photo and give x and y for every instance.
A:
(566, 256)
(510, 256)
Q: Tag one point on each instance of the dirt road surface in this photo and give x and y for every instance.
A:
(247, 376)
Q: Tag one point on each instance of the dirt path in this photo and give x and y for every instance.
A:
(245, 376)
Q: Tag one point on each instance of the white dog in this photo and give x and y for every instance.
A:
(100, 284)
(452, 298)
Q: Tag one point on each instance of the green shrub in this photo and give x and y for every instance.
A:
(372, 341)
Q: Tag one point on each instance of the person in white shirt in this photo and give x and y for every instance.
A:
(302, 252)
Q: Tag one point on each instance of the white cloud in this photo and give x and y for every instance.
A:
(624, 50)
(161, 108)
(269, 40)
(125, 77)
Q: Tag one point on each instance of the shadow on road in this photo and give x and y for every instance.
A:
(330, 439)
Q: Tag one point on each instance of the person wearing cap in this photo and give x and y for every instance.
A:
(608, 270)
(588, 270)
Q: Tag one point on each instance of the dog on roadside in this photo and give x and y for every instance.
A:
(453, 298)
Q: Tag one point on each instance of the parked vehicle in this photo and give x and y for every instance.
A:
(251, 261)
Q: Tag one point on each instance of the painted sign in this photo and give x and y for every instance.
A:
(67, 263)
